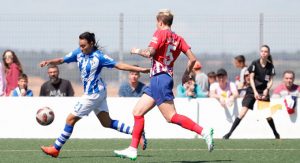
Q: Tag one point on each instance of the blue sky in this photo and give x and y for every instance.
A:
(24, 32)
(218, 7)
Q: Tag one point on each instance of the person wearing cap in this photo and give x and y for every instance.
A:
(13, 69)
(201, 78)
(223, 90)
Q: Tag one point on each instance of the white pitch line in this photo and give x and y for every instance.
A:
(106, 150)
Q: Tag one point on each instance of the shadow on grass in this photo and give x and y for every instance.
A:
(99, 156)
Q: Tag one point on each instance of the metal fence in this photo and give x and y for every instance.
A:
(214, 39)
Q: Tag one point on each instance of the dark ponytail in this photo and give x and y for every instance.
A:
(270, 56)
(90, 37)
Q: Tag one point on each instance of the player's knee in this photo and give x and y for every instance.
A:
(137, 112)
(169, 120)
(105, 122)
(71, 120)
(106, 125)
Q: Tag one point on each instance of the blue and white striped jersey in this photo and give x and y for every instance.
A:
(90, 66)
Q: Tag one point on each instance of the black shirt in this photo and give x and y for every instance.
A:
(262, 74)
(62, 88)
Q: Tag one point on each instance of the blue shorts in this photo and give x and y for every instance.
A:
(160, 88)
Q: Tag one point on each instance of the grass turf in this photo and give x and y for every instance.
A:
(159, 150)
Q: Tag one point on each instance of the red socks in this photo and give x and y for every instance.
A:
(186, 123)
(138, 129)
(178, 119)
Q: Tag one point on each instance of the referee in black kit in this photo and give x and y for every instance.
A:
(261, 80)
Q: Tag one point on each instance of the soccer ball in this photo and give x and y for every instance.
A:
(45, 116)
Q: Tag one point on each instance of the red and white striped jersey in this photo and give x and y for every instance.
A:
(168, 46)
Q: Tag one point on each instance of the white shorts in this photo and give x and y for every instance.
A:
(94, 102)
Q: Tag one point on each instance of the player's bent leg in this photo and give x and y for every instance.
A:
(107, 122)
(168, 110)
(145, 104)
(131, 151)
(104, 119)
(54, 149)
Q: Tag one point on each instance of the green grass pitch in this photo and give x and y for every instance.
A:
(159, 150)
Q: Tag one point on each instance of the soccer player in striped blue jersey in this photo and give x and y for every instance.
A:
(90, 61)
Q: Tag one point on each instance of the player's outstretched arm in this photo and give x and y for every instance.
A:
(127, 67)
(55, 61)
(147, 53)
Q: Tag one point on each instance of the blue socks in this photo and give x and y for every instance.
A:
(121, 127)
(60, 141)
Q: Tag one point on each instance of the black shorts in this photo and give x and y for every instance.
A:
(249, 100)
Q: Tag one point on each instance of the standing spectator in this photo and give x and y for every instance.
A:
(190, 89)
(212, 78)
(287, 87)
(13, 69)
(200, 77)
(223, 90)
(2, 80)
(56, 86)
(132, 88)
(246, 84)
(240, 62)
(22, 89)
(261, 80)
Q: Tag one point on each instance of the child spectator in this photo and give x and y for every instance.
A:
(212, 78)
(22, 89)
(223, 90)
(190, 89)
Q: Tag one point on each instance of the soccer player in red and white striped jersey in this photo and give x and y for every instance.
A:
(163, 50)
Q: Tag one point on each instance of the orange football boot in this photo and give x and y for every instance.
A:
(51, 151)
